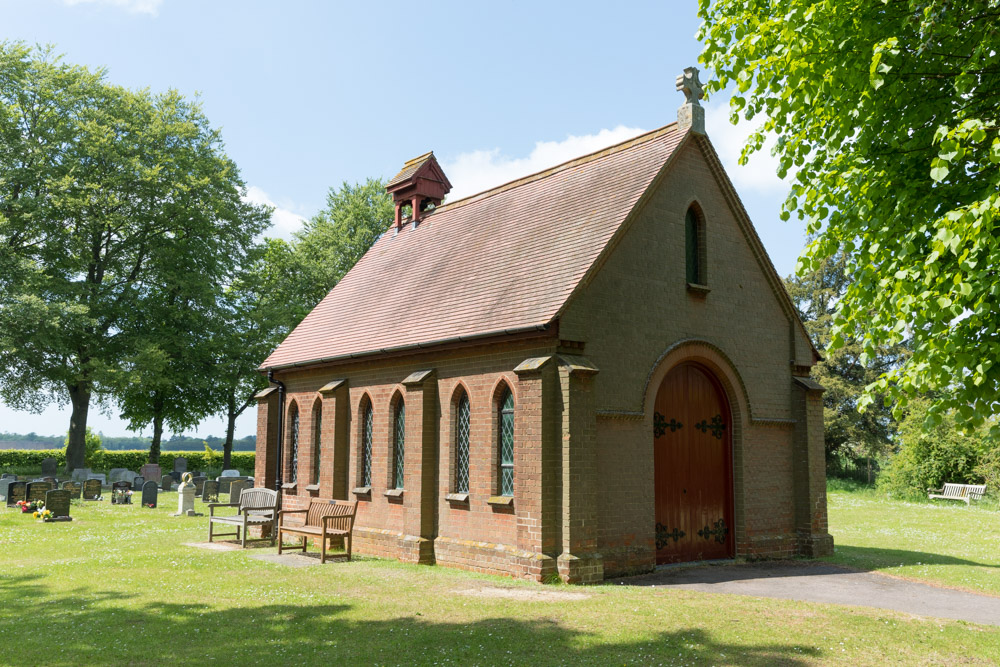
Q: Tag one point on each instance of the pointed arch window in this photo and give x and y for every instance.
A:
(399, 442)
(366, 444)
(694, 247)
(505, 440)
(317, 440)
(462, 445)
(293, 444)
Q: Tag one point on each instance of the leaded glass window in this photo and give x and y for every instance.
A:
(692, 246)
(462, 446)
(317, 441)
(400, 442)
(293, 443)
(366, 447)
(506, 438)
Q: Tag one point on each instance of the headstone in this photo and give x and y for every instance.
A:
(120, 493)
(149, 490)
(199, 484)
(74, 489)
(5, 482)
(180, 465)
(151, 471)
(138, 481)
(210, 491)
(81, 474)
(231, 472)
(236, 488)
(114, 475)
(101, 477)
(15, 492)
(92, 489)
(165, 482)
(49, 466)
(185, 497)
(57, 502)
(7, 475)
(51, 480)
(37, 491)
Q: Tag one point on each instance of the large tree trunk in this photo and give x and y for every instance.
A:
(76, 451)
(227, 448)
(154, 446)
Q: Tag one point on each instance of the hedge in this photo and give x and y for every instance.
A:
(132, 459)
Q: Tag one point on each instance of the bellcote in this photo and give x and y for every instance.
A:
(420, 183)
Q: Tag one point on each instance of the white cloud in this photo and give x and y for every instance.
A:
(480, 170)
(284, 221)
(151, 7)
(761, 174)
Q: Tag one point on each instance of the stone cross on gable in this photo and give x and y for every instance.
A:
(689, 84)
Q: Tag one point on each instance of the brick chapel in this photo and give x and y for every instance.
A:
(582, 373)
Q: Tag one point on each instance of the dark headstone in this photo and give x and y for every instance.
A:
(73, 488)
(236, 488)
(165, 482)
(15, 492)
(199, 485)
(37, 491)
(51, 480)
(210, 491)
(120, 493)
(57, 502)
(149, 490)
(180, 464)
(81, 475)
(49, 466)
(92, 489)
(4, 483)
(138, 481)
(7, 475)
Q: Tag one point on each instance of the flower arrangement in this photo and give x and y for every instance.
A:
(27, 506)
(43, 514)
(151, 505)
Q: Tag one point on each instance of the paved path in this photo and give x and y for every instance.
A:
(820, 582)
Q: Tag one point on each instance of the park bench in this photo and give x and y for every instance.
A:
(324, 519)
(257, 507)
(964, 492)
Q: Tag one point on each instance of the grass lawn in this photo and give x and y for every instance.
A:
(117, 586)
(942, 542)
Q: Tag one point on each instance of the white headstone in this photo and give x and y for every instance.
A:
(185, 497)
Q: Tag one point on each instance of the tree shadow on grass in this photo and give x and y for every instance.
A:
(93, 627)
(869, 558)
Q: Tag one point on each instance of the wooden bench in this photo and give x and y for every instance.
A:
(964, 492)
(324, 519)
(257, 507)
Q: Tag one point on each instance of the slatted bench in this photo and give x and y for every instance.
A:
(324, 519)
(257, 507)
(964, 492)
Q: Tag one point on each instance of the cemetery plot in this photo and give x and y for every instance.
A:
(57, 504)
(149, 493)
(36, 491)
(210, 491)
(121, 493)
(73, 488)
(92, 489)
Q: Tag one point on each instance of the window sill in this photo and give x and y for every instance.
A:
(394, 493)
(290, 486)
(362, 490)
(457, 497)
(501, 501)
(313, 487)
(700, 290)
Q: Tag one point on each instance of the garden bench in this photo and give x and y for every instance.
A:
(257, 507)
(963, 492)
(324, 519)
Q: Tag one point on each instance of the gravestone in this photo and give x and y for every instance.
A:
(149, 490)
(92, 489)
(51, 480)
(4, 486)
(199, 484)
(151, 471)
(101, 477)
(73, 488)
(57, 502)
(81, 475)
(236, 488)
(210, 491)
(7, 475)
(180, 465)
(36, 491)
(114, 474)
(232, 472)
(138, 481)
(120, 493)
(185, 497)
(16, 491)
(49, 466)
(165, 482)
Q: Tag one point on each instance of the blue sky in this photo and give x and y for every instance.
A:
(311, 94)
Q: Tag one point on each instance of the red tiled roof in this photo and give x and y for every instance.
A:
(503, 260)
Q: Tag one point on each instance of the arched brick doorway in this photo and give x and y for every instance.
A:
(693, 467)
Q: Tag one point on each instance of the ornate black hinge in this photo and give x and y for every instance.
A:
(662, 536)
(716, 426)
(660, 425)
(719, 530)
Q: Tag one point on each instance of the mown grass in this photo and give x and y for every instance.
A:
(118, 586)
(942, 542)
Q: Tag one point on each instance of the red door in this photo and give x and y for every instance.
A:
(692, 457)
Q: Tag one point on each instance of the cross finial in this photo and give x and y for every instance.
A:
(689, 84)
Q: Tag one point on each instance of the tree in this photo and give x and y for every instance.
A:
(107, 197)
(91, 447)
(847, 430)
(887, 113)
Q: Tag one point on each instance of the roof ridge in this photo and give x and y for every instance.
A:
(544, 173)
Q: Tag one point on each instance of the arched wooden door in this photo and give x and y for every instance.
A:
(693, 462)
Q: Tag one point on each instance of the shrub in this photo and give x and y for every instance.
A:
(92, 445)
(105, 460)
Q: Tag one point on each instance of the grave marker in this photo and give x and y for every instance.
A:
(210, 491)
(165, 482)
(138, 481)
(120, 493)
(114, 474)
(15, 492)
(151, 471)
(81, 475)
(74, 489)
(35, 491)
(57, 502)
(199, 485)
(149, 491)
(49, 466)
(236, 488)
(180, 465)
(92, 489)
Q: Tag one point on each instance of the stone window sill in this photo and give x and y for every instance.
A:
(313, 487)
(501, 501)
(700, 290)
(394, 493)
(457, 497)
(289, 486)
(362, 490)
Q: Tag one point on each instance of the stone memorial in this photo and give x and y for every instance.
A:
(185, 497)
(138, 481)
(36, 491)
(81, 475)
(49, 466)
(114, 475)
(7, 475)
(74, 489)
(149, 492)
(121, 493)
(165, 482)
(5, 486)
(92, 489)
(51, 480)
(151, 471)
(236, 488)
(15, 492)
(199, 484)
(57, 502)
(210, 491)
(180, 465)
(231, 472)
(101, 477)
